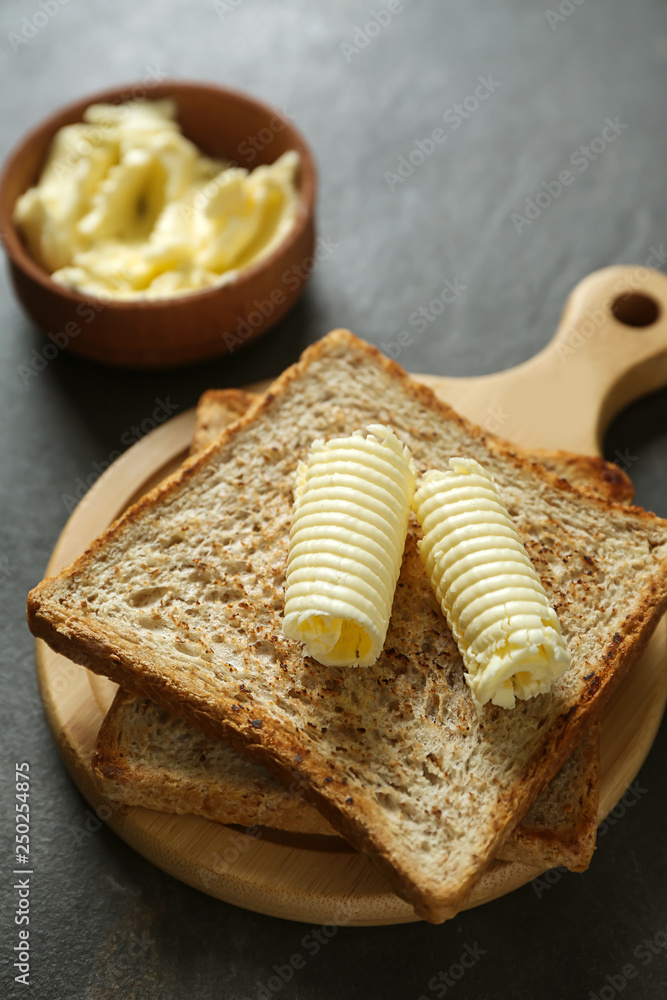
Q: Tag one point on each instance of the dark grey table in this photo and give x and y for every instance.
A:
(104, 922)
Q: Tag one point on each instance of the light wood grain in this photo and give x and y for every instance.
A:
(563, 398)
(566, 395)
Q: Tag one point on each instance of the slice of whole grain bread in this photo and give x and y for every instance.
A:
(146, 757)
(181, 600)
(561, 826)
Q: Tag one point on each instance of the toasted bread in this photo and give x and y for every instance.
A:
(146, 757)
(181, 600)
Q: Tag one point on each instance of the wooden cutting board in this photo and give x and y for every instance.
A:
(610, 347)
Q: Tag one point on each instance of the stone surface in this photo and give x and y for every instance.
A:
(105, 922)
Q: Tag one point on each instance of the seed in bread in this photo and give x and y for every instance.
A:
(351, 508)
(506, 630)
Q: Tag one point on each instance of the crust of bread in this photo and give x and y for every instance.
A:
(103, 649)
(587, 472)
(216, 410)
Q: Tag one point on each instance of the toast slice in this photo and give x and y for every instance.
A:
(181, 600)
(146, 757)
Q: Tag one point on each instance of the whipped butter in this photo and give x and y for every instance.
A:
(351, 509)
(126, 207)
(494, 601)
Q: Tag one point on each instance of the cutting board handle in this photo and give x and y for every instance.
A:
(609, 349)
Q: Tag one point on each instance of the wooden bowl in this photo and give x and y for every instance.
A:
(177, 330)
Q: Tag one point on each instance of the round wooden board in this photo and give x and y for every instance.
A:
(321, 879)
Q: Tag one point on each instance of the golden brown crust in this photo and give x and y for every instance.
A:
(115, 656)
(587, 472)
(218, 409)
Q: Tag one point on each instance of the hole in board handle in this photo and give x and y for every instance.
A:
(635, 309)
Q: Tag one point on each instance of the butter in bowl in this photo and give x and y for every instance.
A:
(162, 214)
